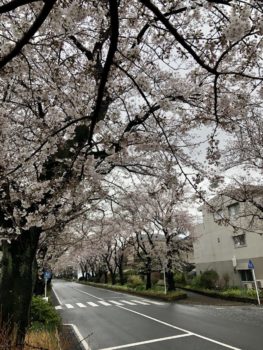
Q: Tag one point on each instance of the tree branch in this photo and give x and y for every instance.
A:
(114, 16)
(29, 34)
(12, 5)
(177, 36)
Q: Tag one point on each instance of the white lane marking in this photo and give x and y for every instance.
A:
(127, 302)
(81, 305)
(140, 302)
(180, 329)
(115, 302)
(56, 295)
(59, 307)
(81, 291)
(106, 290)
(69, 306)
(79, 336)
(104, 303)
(92, 304)
(154, 302)
(147, 342)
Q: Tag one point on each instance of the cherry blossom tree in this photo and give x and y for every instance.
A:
(162, 226)
(88, 87)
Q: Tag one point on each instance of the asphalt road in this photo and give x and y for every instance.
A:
(111, 320)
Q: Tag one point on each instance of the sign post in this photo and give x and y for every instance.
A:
(164, 263)
(250, 265)
(47, 276)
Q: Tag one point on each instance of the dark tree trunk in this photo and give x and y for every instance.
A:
(113, 279)
(82, 271)
(121, 275)
(106, 277)
(148, 280)
(170, 281)
(17, 281)
(148, 273)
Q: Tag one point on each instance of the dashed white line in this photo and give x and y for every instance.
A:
(115, 302)
(147, 342)
(58, 307)
(69, 306)
(127, 302)
(92, 304)
(154, 302)
(81, 305)
(140, 302)
(104, 303)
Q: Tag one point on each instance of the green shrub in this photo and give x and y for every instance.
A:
(196, 281)
(179, 277)
(209, 279)
(43, 315)
(134, 281)
(155, 277)
(241, 292)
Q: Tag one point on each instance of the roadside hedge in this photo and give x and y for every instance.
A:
(171, 296)
(43, 315)
(233, 294)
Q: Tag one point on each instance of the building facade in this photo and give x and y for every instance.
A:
(226, 241)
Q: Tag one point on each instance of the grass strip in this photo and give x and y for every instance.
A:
(170, 296)
(228, 294)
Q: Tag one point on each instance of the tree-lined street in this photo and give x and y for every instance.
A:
(113, 320)
(113, 118)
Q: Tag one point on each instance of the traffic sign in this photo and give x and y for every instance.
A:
(250, 264)
(47, 275)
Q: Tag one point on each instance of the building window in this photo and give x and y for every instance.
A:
(233, 210)
(246, 275)
(239, 240)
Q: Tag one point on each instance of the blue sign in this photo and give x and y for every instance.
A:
(47, 275)
(250, 264)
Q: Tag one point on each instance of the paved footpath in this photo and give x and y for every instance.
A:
(108, 320)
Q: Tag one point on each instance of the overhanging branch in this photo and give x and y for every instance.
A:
(114, 16)
(29, 34)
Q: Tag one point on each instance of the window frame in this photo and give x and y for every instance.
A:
(239, 244)
(233, 214)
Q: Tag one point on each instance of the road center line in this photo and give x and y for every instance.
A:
(91, 295)
(180, 329)
(146, 342)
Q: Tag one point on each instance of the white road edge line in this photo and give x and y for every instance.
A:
(146, 342)
(58, 299)
(180, 329)
(79, 336)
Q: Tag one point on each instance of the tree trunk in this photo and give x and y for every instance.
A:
(17, 281)
(170, 281)
(121, 275)
(113, 277)
(106, 277)
(148, 273)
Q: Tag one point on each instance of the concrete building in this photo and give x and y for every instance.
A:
(230, 235)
